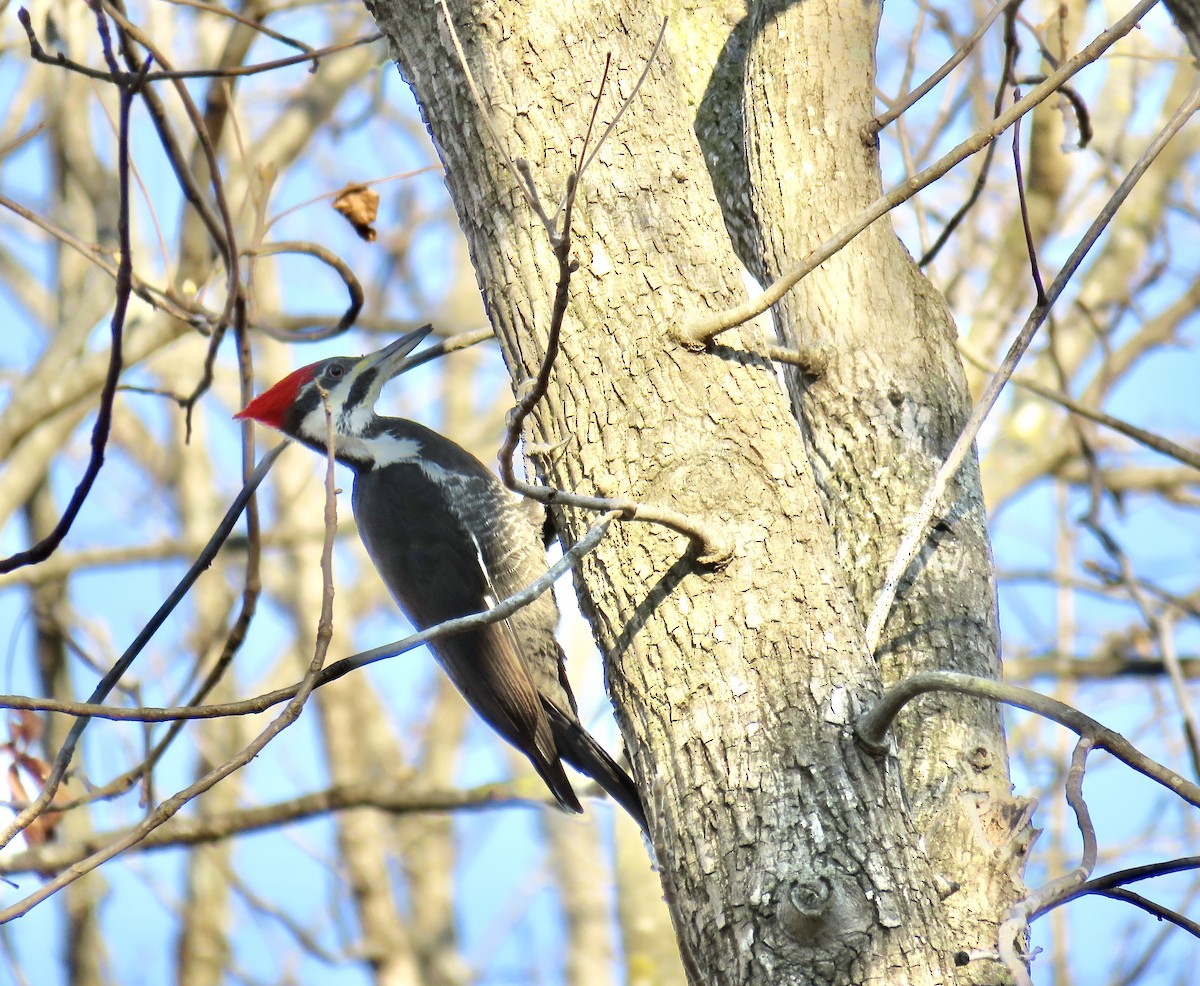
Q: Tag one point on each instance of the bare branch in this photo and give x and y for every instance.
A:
(290, 713)
(397, 798)
(1155, 910)
(872, 727)
(501, 611)
(63, 760)
(1027, 229)
(906, 103)
(1151, 440)
(340, 267)
(1135, 874)
(697, 335)
(1017, 924)
(130, 80)
(47, 545)
(985, 168)
(911, 544)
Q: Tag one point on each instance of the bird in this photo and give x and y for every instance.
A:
(448, 539)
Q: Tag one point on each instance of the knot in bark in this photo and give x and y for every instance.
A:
(824, 910)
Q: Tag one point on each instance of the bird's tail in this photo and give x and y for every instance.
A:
(581, 751)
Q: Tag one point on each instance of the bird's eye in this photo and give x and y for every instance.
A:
(335, 371)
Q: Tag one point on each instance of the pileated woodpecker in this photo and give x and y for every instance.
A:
(449, 540)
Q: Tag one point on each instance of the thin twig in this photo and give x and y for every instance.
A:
(710, 548)
(904, 104)
(697, 335)
(501, 611)
(1152, 441)
(1026, 227)
(917, 527)
(156, 298)
(1158, 624)
(985, 168)
(627, 102)
(394, 798)
(561, 241)
(255, 25)
(1014, 928)
(100, 430)
(1183, 695)
(220, 223)
(290, 713)
(67, 562)
(128, 80)
(1083, 119)
(340, 267)
(1112, 885)
(252, 585)
(1156, 910)
(278, 913)
(1135, 874)
(559, 231)
(224, 236)
(62, 760)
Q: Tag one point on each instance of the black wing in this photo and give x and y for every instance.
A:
(431, 565)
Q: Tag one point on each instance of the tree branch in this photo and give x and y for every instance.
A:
(1015, 927)
(911, 544)
(697, 335)
(395, 798)
(501, 611)
(47, 545)
(290, 713)
(871, 728)
(63, 759)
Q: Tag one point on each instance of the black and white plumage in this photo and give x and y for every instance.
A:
(449, 540)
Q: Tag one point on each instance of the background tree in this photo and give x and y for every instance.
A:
(789, 852)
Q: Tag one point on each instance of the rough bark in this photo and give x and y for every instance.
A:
(878, 422)
(788, 854)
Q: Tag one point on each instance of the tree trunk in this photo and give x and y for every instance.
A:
(788, 855)
(878, 422)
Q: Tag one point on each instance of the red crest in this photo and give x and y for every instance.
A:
(270, 407)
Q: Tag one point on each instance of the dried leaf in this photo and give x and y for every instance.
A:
(35, 767)
(16, 790)
(360, 205)
(41, 829)
(24, 727)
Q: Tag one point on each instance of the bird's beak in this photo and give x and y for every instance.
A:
(392, 360)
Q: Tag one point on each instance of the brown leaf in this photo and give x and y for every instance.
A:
(16, 790)
(360, 206)
(24, 727)
(35, 767)
(41, 829)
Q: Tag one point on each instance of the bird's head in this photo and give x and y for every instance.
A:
(294, 407)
